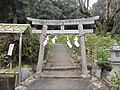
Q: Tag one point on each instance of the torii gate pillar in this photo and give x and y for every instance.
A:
(83, 50)
(41, 49)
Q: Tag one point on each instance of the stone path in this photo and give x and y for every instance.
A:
(60, 56)
(60, 78)
(60, 84)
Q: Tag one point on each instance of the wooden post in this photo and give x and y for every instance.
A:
(41, 49)
(20, 56)
(83, 50)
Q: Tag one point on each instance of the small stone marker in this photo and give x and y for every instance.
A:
(98, 73)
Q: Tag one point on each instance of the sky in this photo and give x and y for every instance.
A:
(92, 2)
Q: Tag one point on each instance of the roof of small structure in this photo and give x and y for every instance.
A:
(13, 28)
(114, 48)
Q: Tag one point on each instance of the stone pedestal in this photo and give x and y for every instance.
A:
(116, 67)
(98, 73)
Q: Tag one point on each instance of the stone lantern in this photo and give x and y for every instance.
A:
(115, 58)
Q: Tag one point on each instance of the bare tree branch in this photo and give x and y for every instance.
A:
(114, 14)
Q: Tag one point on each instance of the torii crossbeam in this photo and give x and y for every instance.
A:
(62, 23)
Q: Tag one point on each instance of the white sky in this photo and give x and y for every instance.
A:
(92, 2)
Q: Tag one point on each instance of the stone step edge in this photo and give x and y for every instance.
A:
(61, 68)
(60, 77)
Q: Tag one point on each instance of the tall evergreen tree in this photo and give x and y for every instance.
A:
(9, 9)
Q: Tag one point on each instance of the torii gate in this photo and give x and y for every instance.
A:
(62, 23)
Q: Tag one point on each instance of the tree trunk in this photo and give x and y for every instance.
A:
(108, 10)
(0, 64)
(102, 26)
(115, 28)
(14, 14)
(87, 4)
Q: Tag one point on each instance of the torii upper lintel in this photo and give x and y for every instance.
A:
(63, 22)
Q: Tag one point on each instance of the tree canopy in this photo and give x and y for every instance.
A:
(109, 12)
(16, 11)
(44, 9)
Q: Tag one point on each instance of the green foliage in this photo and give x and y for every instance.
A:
(9, 8)
(25, 66)
(2, 57)
(5, 40)
(44, 9)
(69, 8)
(117, 38)
(116, 79)
(103, 55)
(61, 39)
(30, 47)
(4, 10)
(54, 9)
(48, 49)
(96, 46)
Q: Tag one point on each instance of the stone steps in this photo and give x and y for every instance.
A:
(62, 68)
(61, 73)
(61, 77)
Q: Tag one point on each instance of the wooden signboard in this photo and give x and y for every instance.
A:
(11, 46)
